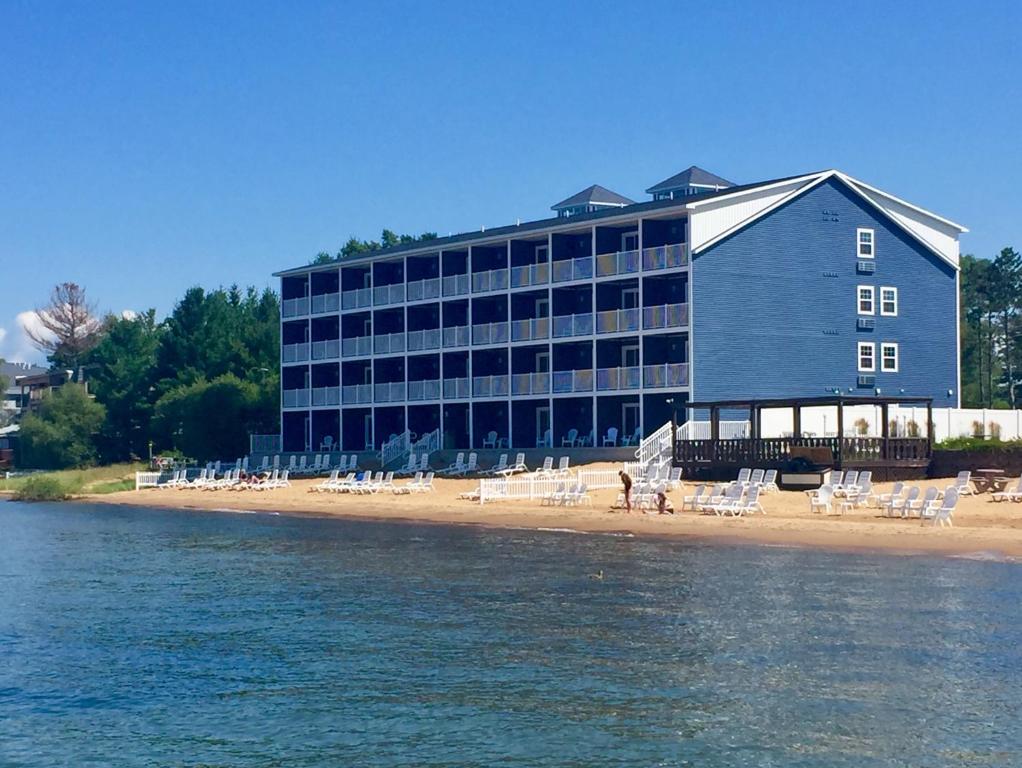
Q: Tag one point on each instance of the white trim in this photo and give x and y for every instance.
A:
(760, 188)
(872, 243)
(872, 356)
(881, 307)
(958, 344)
(888, 345)
(889, 196)
(872, 299)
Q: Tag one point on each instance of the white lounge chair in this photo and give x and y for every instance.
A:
(942, 514)
(457, 466)
(691, 501)
(902, 505)
(411, 466)
(821, 502)
(518, 466)
(883, 499)
(569, 439)
(410, 485)
(922, 506)
(547, 468)
(500, 466)
(1010, 494)
(610, 438)
(471, 466)
(770, 481)
(327, 484)
(961, 483)
(562, 466)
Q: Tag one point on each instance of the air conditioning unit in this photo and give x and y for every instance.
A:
(867, 323)
(867, 266)
(867, 381)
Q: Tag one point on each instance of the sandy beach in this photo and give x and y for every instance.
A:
(981, 527)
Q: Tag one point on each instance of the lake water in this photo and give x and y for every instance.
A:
(132, 637)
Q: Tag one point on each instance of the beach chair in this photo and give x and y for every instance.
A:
(751, 503)
(562, 465)
(568, 441)
(517, 466)
(283, 481)
(883, 499)
(409, 486)
(770, 481)
(673, 477)
(344, 484)
(610, 438)
(822, 500)
(729, 503)
(756, 478)
(327, 443)
(265, 466)
(387, 484)
(744, 474)
(500, 466)
(426, 485)
(270, 482)
(457, 466)
(547, 468)
(836, 478)
(942, 513)
(205, 476)
(276, 461)
(634, 439)
(851, 478)
(923, 506)
(547, 441)
(491, 439)
(903, 504)
(1010, 494)
(327, 484)
(411, 466)
(555, 496)
(175, 480)
(691, 501)
(470, 466)
(577, 496)
(961, 483)
(352, 463)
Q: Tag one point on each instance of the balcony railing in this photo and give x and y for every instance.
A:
(456, 336)
(530, 274)
(665, 316)
(388, 294)
(353, 394)
(386, 343)
(664, 257)
(492, 280)
(424, 289)
(620, 263)
(665, 375)
(389, 392)
(357, 346)
(326, 350)
(456, 285)
(362, 297)
(530, 328)
(294, 307)
(573, 381)
(325, 302)
(294, 353)
(490, 333)
(490, 386)
(573, 269)
(295, 398)
(617, 320)
(530, 383)
(573, 325)
(618, 378)
(456, 388)
(425, 339)
(428, 389)
(326, 396)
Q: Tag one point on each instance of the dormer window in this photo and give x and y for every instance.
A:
(864, 240)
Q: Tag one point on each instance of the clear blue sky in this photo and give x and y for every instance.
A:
(147, 147)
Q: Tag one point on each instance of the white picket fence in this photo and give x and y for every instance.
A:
(528, 486)
(151, 479)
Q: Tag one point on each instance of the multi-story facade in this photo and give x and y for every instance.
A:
(615, 312)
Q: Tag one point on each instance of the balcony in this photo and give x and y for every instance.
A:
(295, 398)
(493, 280)
(389, 392)
(530, 274)
(356, 394)
(617, 320)
(490, 333)
(620, 263)
(326, 350)
(530, 329)
(294, 307)
(618, 378)
(456, 388)
(665, 316)
(456, 285)
(363, 297)
(530, 383)
(388, 343)
(424, 289)
(573, 325)
(428, 389)
(388, 294)
(573, 269)
(326, 302)
(294, 353)
(326, 396)
(456, 336)
(665, 375)
(425, 339)
(490, 386)
(357, 346)
(664, 257)
(573, 381)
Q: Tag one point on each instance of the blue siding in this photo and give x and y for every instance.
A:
(774, 306)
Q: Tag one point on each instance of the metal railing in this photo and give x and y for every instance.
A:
(427, 389)
(530, 328)
(427, 443)
(295, 398)
(620, 263)
(665, 375)
(326, 350)
(656, 446)
(491, 280)
(617, 320)
(456, 285)
(456, 336)
(424, 339)
(395, 448)
(530, 274)
(362, 297)
(618, 378)
(326, 396)
(294, 307)
(573, 381)
(325, 302)
(385, 343)
(456, 388)
(357, 346)
(573, 269)
(665, 316)
(664, 257)
(490, 333)
(352, 394)
(530, 383)
(389, 392)
(573, 325)
(294, 353)
(490, 386)
(424, 289)
(388, 294)
(264, 443)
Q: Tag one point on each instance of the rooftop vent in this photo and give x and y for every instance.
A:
(691, 181)
(594, 198)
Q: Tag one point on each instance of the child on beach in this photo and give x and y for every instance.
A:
(626, 481)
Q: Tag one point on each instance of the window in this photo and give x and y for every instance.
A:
(889, 357)
(864, 241)
(866, 299)
(866, 352)
(888, 301)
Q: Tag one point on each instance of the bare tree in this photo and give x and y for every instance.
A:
(70, 327)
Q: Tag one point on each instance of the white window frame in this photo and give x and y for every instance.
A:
(872, 356)
(884, 313)
(872, 299)
(883, 358)
(872, 243)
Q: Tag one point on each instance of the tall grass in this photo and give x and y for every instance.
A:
(72, 482)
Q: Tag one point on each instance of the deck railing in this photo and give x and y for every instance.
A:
(618, 378)
(326, 396)
(456, 285)
(387, 343)
(388, 294)
(490, 386)
(530, 383)
(665, 375)
(427, 389)
(325, 302)
(424, 289)
(294, 307)
(457, 388)
(389, 392)
(456, 336)
(573, 269)
(573, 381)
(295, 398)
(664, 257)
(357, 346)
(353, 394)
(326, 350)
(530, 328)
(530, 274)
(665, 316)
(573, 325)
(777, 450)
(490, 333)
(620, 263)
(294, 353)
(617, 320)
(425, 339)
(491, 280)
(361, 297)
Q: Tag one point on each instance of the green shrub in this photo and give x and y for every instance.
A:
(42, 488)
(978, 444)
(112, 486)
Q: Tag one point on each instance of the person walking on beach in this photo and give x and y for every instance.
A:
(626, 481)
